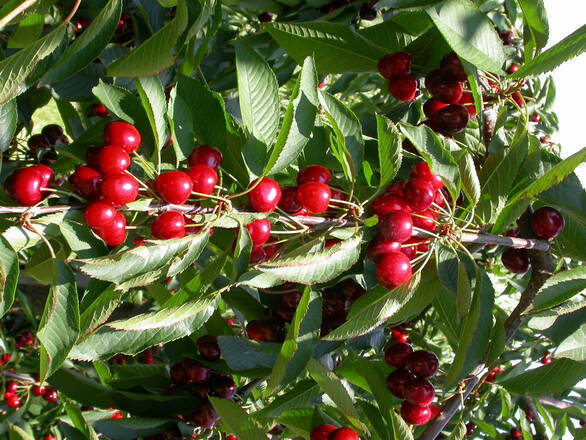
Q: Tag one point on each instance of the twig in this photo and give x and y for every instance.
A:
(73, 11)
(17, 376)
(18, 10)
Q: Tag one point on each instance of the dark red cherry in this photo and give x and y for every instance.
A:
(174, 187)
(397, 380)
(452, 119)
(403, 88)
(86, 182)
(254, 331)
(516, 260)
(205, 155)
(38, 142)
(451, 67)
(425, 220)
(115, 234)
(288, 202)
(99, 110)
(265, 196)
(50, 395)
(395, 64)
(223, 385)
(257, 254)
(206, 416)
(414, 414)
(422, 363)
(388, 202)
(204, 178)
(53, 132)
(99, 215)
(119, 189)
(321, 432)
(396, 354)
(397, 187)
(393, 269)
(314, 197)
(445, 89)
(265, 17)
(314, 173)
(112, 160)
(422, 170)
(91, 157)
(396, 226)
(547, 223)
(410, 247)
(24, 186)
(343, 434)
(419, 392)
(260, 231)
(208, 347)
(432, 106)
(419, 194)
(123, 135)
(273, 330)
(168, 225)
(379, 246)
(467, 101)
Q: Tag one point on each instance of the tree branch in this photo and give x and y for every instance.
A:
(18, 10)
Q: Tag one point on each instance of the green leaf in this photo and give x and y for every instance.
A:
(17, 433)
(82, 242)
(390, 153)
(181, 124)
(27, 32)
(59, 326)
(8, 119)
(133, 427)
(9, 271)
(298, 122)
(378, 386)
(154, 102)
(570, 47)
(304, 394)
(243, 354)
(557, 377)
(336, 47)
(96, 307)
(535, 26)
(574, 346)
(79, 422)
(257, 93)
(317, 267)
(15, 69)
(236, 420)
(207, 10)
(470, 33)
(87, 46)
(242, 252)
(400, 428)
(470, 182)
(459, 432)
(132, 336)
(154, 55)
(347, 125)
(559, 288)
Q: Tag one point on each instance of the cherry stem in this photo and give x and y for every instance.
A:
(73, 11)
(145, 164)
(16, 11)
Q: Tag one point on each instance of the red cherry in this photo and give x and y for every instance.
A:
(99, 214)
(260, 231)
(24, 186)
(516, 433)
(168, 225)
(115, 234)
(49, 437)
(119, 189)
(204, 178)
(91, 157)
(205, 155)
(314, 173)
(435, 411)
(11, 387)
(395, 64)
(423, 363)
(467, 100)
(12, 401)
(516, 260)
(343, 434)
(116, 416)
(265, 196)
(419, 392)
(409, 248)
(403, 88)
(393, 269)
(379, 246)
(174, 187)
(265, 17)
(452, 119)
(257, 254)
(547, 223)
(544, 139)
(288, 202)
(419, 194)
(99, 110)
(432, 106)
(54, 132)
(254, 330)
(314, 196)
(396, 226)
(451, 67)
(397, 380)
(123, 135)
(546, 360)
(321, 432)
(86, 181)
(223, 386)
(50, 395)
(519, 100)
(396, 354)
(396, 188)
(112, 160)
(445, 89)
(38, 390)
(46, 174)
(422, 170)
(425, 220)
(271, 250)
(513, 68)
(195, 371)
(208, 347)
(231, 437)
(337, 194)
(536, 117)
(388, 202)
(206, 416)
(414, 414)
(37, 142)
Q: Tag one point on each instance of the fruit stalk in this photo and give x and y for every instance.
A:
(16, 11)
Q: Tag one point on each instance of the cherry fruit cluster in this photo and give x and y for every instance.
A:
(330, 432)
(14, 392)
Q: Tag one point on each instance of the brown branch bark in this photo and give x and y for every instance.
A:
(18, 10)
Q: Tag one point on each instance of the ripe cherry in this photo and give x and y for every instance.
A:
(174, 187)
(204, 178)
(393, 269)
(86, 182)
(169, 225)
(205, 155)
(12, 401)
(54, 133)
(445, 89)
(519, 99)
(115, 234)
(123, 135)
(516, 260)
(46, 174)
(37, 142)
(419, 392)
(396, 382)
(321, 432)
(547, 223)
(422, 170)
(38, 390)
(314, 197)
(396, 226)
(432, 106)
(452, 119)
(254, 331)
(99, 214)
(112, 160)
(206, 416)
(435, 411)
(24, 186)
(119, 189)
(387, 203)
(419, 194)
(451, 67)
(314, 173)
(546, 359)
(397, 187)
(208, 348)
(379, 246)
(288, 202)
(343, 434)
(50, 395)
(11, 387)
(395, 64)
(425, 220)
(49, 437)
(414, 414)
(513, 68)
(223, 385)
(422, 363)
(99, 110)
(260, 231)
(403, 88)
(257, 254)
(536, 117)
(516, 433)
(396, 354)
(265, 196)
(265, 17)
(467, 100)
(231, 437)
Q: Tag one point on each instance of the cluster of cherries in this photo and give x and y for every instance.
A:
(12, 398)
(203, 381)
(331, 432)
(409, 380)
(404, 205)
(42, 145)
